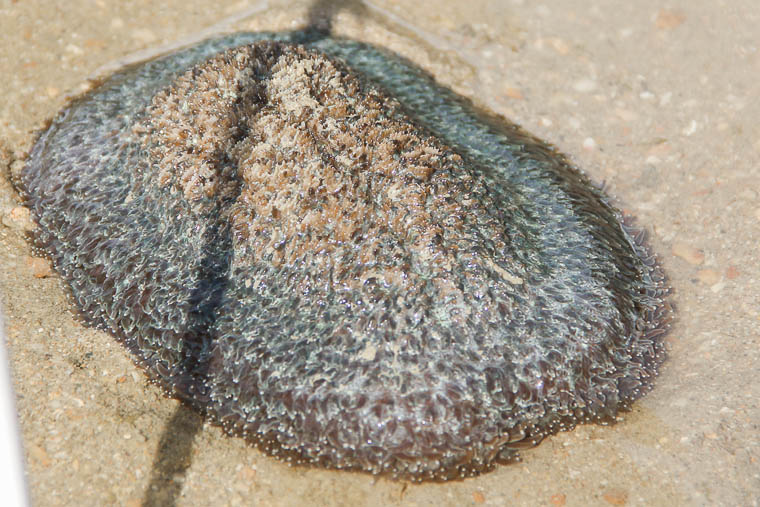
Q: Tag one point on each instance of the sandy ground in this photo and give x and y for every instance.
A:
(659, 100)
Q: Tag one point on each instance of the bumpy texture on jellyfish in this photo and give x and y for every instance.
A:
(342, 261)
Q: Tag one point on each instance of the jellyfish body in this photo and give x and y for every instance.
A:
(337, 258)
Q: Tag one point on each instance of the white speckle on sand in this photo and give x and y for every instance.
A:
(584, 85)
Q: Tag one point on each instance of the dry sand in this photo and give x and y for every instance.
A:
(659, 100)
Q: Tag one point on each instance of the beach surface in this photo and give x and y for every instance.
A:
(659, 101)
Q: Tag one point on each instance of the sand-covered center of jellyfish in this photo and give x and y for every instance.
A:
(320, 170)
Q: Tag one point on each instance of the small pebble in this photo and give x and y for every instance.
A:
(560, 46)
(144, 35)
(732, 273)
(513, 93)
(94, 43)
(247, 474)
(668, 19)
(616, 497)
(559, 499)
(40, 267)
(584, 85)
(653, 160)
(626, 114)
(19, 218)
(74, 50)
(478, 497)
(16, 166)
(688, 253)
(690, 129)
(708, 276)
(39, 454)
(589, 144)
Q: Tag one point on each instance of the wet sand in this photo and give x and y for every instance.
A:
(660, 103)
